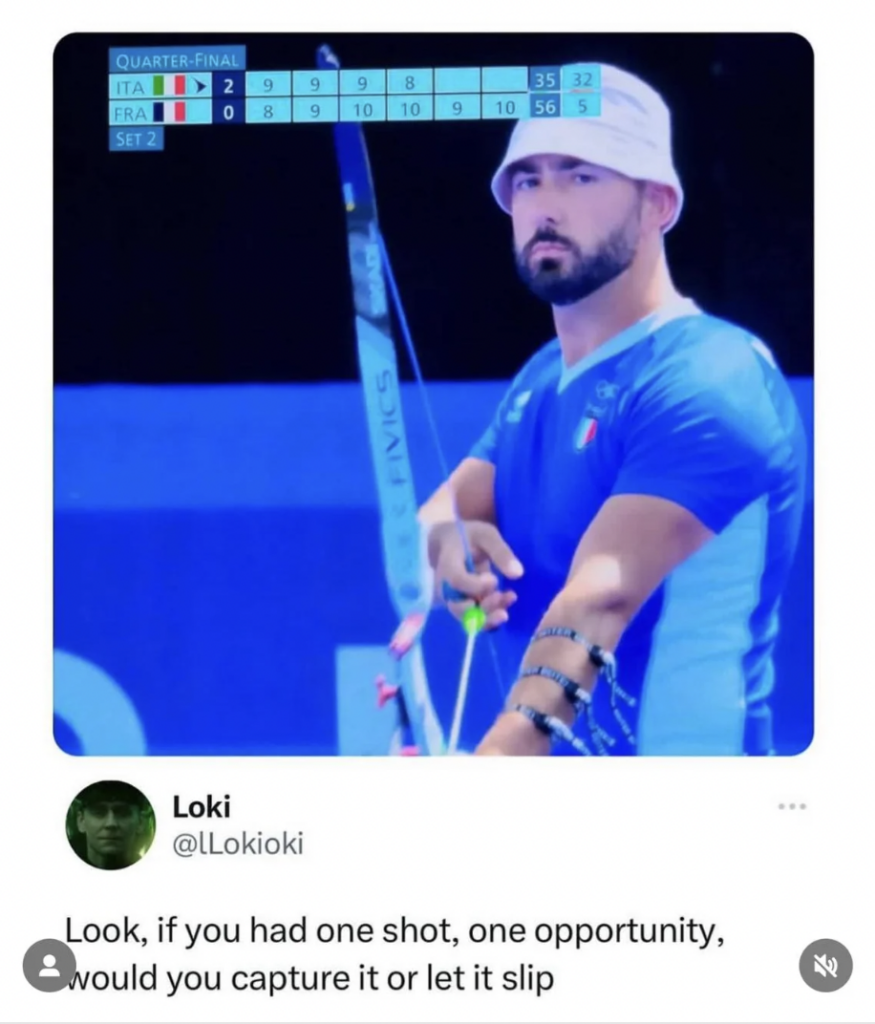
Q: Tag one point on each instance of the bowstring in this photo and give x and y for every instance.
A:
(438, 447)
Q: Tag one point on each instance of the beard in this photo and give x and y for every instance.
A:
(562, 282)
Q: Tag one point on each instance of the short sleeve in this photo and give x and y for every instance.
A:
(703, 432)
(516, 396)
(486, 447)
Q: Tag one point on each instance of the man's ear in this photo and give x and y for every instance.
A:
(80, 820)
(660, 204)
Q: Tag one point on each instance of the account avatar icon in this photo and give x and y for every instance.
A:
(49, 970)
(49, 965)
(110, 825)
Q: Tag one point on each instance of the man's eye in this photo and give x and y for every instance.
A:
(523, 183)
(584, 178)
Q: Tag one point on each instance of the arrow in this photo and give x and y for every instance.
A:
(200, 85)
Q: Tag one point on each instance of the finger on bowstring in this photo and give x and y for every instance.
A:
(499, 599)
(496, 619)
(458, 608)
(460, 584)
(489, 541)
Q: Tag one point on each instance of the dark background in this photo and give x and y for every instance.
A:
(223, 259)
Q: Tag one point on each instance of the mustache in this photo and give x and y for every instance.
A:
(547, 237)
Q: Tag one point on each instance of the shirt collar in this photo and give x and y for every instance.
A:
(674, 309)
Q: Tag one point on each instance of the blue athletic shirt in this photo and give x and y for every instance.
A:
(688, 407)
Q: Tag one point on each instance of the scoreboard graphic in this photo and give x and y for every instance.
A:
(151, 88)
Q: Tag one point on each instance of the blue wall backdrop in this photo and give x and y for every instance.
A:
(218, 570)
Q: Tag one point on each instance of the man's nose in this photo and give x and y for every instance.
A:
(549, 215)
(549, 206)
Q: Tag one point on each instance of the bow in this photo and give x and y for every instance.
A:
(402, 536)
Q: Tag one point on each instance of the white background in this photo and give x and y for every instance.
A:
(528, 841)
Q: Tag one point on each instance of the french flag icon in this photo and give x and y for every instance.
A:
(585, 432)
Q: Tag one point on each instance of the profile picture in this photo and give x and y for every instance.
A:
(110, 825)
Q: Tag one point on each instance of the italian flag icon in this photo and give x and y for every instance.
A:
(585, 432)
(168, 85)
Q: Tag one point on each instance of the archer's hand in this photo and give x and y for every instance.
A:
(489, 550)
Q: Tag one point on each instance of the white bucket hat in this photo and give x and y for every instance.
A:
(632, 136)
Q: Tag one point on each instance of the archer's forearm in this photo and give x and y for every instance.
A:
(472, 484)
(600, 622)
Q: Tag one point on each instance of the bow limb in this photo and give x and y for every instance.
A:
(400, 528)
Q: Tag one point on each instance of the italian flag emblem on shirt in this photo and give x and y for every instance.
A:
(585, 432)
